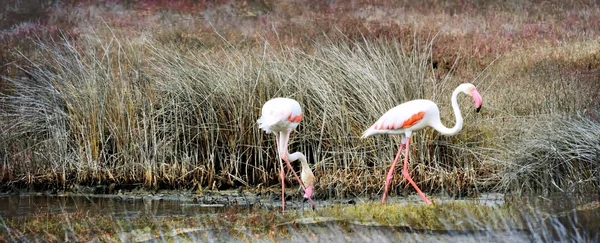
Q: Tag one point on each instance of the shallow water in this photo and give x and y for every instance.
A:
(23, 205)
(15, 205)
(560, 218)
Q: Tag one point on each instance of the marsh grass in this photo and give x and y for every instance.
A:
(133, 111)
(556, 155)
(127, 111)
(174, 105)
(447, 216)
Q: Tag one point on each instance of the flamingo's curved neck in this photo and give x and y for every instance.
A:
(299, 156)
(284, 137)
(459, 120)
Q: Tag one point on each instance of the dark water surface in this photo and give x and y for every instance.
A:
(24, 205)
(561, 218)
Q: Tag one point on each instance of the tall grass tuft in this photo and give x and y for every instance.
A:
(556, 154)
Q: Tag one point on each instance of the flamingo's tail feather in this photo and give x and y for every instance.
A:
(265, 123)
(368, 132)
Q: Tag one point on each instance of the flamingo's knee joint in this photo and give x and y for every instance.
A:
(405, 173)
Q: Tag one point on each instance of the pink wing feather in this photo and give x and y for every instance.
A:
(398, 118)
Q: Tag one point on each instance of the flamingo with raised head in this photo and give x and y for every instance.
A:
(415, 115)
(281, 116)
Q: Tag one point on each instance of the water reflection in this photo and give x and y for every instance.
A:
(559, 218)
(16, 206)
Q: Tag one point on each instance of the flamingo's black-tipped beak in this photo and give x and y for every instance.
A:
(477, 99)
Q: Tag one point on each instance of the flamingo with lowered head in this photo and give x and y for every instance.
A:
(281, 116)
(413, 116)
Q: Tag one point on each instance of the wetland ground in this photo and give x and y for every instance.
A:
(136, 120)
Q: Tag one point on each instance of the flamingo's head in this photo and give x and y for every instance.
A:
(308, 192)
(470, 90)
(308, 179)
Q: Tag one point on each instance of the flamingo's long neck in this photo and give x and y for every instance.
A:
(299, 156)
(459, 120)
(284, 138)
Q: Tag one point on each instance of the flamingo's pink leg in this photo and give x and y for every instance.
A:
(281, 174)
(389, 176)
(405, 173)
(285, 137)
(308, 193)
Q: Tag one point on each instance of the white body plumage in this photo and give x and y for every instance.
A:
(280, 114)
